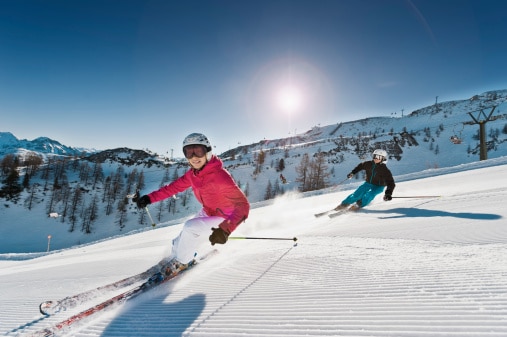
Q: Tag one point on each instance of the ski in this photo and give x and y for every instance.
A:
(153, 281)
(337, 213)
(52, 307)
(318, 215)
(343, 211)
(338, 209)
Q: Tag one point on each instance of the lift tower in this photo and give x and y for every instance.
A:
(482, 119)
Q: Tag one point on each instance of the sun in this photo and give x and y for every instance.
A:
(289, 98)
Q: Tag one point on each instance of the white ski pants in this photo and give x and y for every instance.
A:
(193, 239)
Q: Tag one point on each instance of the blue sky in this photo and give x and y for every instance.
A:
(144, 74)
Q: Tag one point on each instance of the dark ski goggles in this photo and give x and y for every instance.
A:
(194, 150)
(379, 157)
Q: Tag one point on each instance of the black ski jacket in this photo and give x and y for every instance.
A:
(377, 174)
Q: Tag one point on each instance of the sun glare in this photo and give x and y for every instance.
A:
(289, 99)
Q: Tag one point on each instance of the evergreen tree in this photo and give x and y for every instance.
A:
(90, 215)
(98, 174)
(276, 188)
(121, 214)
(32, 197)
(281, 165)
(11, 188)
(7, 164)
(76, 201)
(269, 191)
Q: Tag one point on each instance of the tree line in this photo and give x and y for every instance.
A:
(78, 192)
(90, 194)
(312, 172)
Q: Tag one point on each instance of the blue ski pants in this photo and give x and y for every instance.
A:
(366, 193)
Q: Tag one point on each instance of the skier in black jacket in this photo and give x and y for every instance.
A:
(378, 176)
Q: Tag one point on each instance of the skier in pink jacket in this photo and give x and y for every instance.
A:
(224, 204)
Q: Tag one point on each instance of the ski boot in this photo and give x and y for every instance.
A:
(341, 207)
(174, 266)
(356, 207)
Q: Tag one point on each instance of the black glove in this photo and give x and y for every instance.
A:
(218, 236)
(350, 175)
(387, 197)
(142, 202)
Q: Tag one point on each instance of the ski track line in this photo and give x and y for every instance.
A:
(375, 292)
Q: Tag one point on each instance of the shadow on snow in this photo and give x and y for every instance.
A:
(427, 213)
(154, 318)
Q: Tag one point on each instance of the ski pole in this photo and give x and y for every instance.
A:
(344, 180)
(149, 216)
(136, 196)
(259, 238)
(420, 196)
(339, 183)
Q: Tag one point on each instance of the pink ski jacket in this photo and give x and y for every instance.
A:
(215, 189)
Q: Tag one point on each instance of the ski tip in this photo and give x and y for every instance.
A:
(318, 215)
(44, 306)
(337, 213)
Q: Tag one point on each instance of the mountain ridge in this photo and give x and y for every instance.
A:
(9, 143)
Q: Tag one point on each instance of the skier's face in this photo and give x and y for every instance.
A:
(196, 155)
(197, 158)
(197, 162)
(377, 158)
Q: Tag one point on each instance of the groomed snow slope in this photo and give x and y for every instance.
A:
(409, 267)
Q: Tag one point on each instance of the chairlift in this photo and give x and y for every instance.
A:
(456, 138)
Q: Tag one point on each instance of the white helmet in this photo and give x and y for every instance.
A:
(381, 153)
(198, 139)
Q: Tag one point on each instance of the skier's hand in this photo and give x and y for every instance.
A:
(350, 175)
(218, 236)
(142, 202)
(387, 197)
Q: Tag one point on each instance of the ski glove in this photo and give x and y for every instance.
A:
(387, 197)
(350, 175)
(142, 202)
(218, 236)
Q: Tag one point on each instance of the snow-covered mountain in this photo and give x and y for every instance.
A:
(9, 144)
(438, 136)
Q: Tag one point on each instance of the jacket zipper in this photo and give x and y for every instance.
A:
(373, 173)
